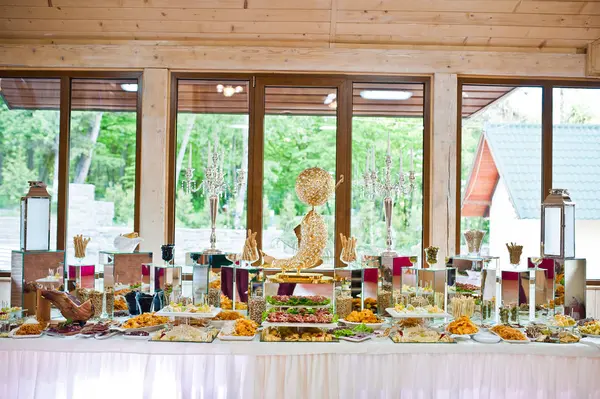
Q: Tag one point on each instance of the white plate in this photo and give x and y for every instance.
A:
(137, 337)
(147, 329)
(316, 325)
(223, 337)
(486, 338)
(85, 335)
(350, 339)
(208, 315)
(12, 334)
(374, 326)
(460, 337)
(590, 335)
(398, 315)
(512, 341)
(107, 336)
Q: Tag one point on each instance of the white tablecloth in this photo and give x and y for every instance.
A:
(117, 368)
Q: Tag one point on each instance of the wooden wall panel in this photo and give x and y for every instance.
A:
(385, 61)
(526, 25)
(443, 181)
(155, 111)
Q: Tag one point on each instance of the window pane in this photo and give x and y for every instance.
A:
(576, 165)
(102, 162)
(300, 133)
(210, 115)
(29, 129)
(501, 167)
(381, 111)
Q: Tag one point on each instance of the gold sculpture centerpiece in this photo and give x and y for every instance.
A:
(314, 186)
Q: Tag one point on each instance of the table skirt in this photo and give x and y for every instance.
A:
(289, 370)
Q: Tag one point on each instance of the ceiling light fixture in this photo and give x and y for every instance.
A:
(229, 90)
(385, 95)
(130, 87)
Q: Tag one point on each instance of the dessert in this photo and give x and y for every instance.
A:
(365, 316)
(145, 320)
(508, 333)
(462, 326)
(401, 308)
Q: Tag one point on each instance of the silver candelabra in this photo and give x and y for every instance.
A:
(213, 186)
(389, 188)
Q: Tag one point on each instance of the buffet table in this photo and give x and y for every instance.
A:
(60, 368)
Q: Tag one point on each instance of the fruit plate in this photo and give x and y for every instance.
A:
(415, 315)
(13, 334)
(352, 339)
(224, 337)
(374, 326)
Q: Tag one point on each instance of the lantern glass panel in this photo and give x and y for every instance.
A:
(569, 232)
(38, 224)
(552, 227)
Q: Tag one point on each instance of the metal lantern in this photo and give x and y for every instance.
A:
(35, 218)
(558, 225)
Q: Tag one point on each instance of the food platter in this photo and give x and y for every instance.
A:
(13, 335)
(513, 341)
(146, 329)
(374, 326)
(298, 306)
(194, 315)
(415, 315)
(315, 325)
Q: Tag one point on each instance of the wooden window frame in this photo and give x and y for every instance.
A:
(66, 78)
(547, 86)
(344, 85)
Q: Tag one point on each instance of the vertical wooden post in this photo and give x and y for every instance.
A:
(155, 150)
(443, 183)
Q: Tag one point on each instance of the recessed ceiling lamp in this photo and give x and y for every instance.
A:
(130, 87)
(330, 101)
(385, 95)
(229, 90)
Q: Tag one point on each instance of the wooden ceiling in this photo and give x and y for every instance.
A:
(531, 25)
(201, 96)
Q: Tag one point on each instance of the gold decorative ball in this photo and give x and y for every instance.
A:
(314, 186)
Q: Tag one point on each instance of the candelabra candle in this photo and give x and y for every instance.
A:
(387, 187)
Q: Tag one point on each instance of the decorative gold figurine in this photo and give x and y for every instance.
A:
(314, 186)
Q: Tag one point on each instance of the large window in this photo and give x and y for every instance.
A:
(299, 133)
(102, 167)
(383, 112)
(271, 128)
(576, 164)
(80, 126)
(29, 145)
(501, 174)
(212, 120)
